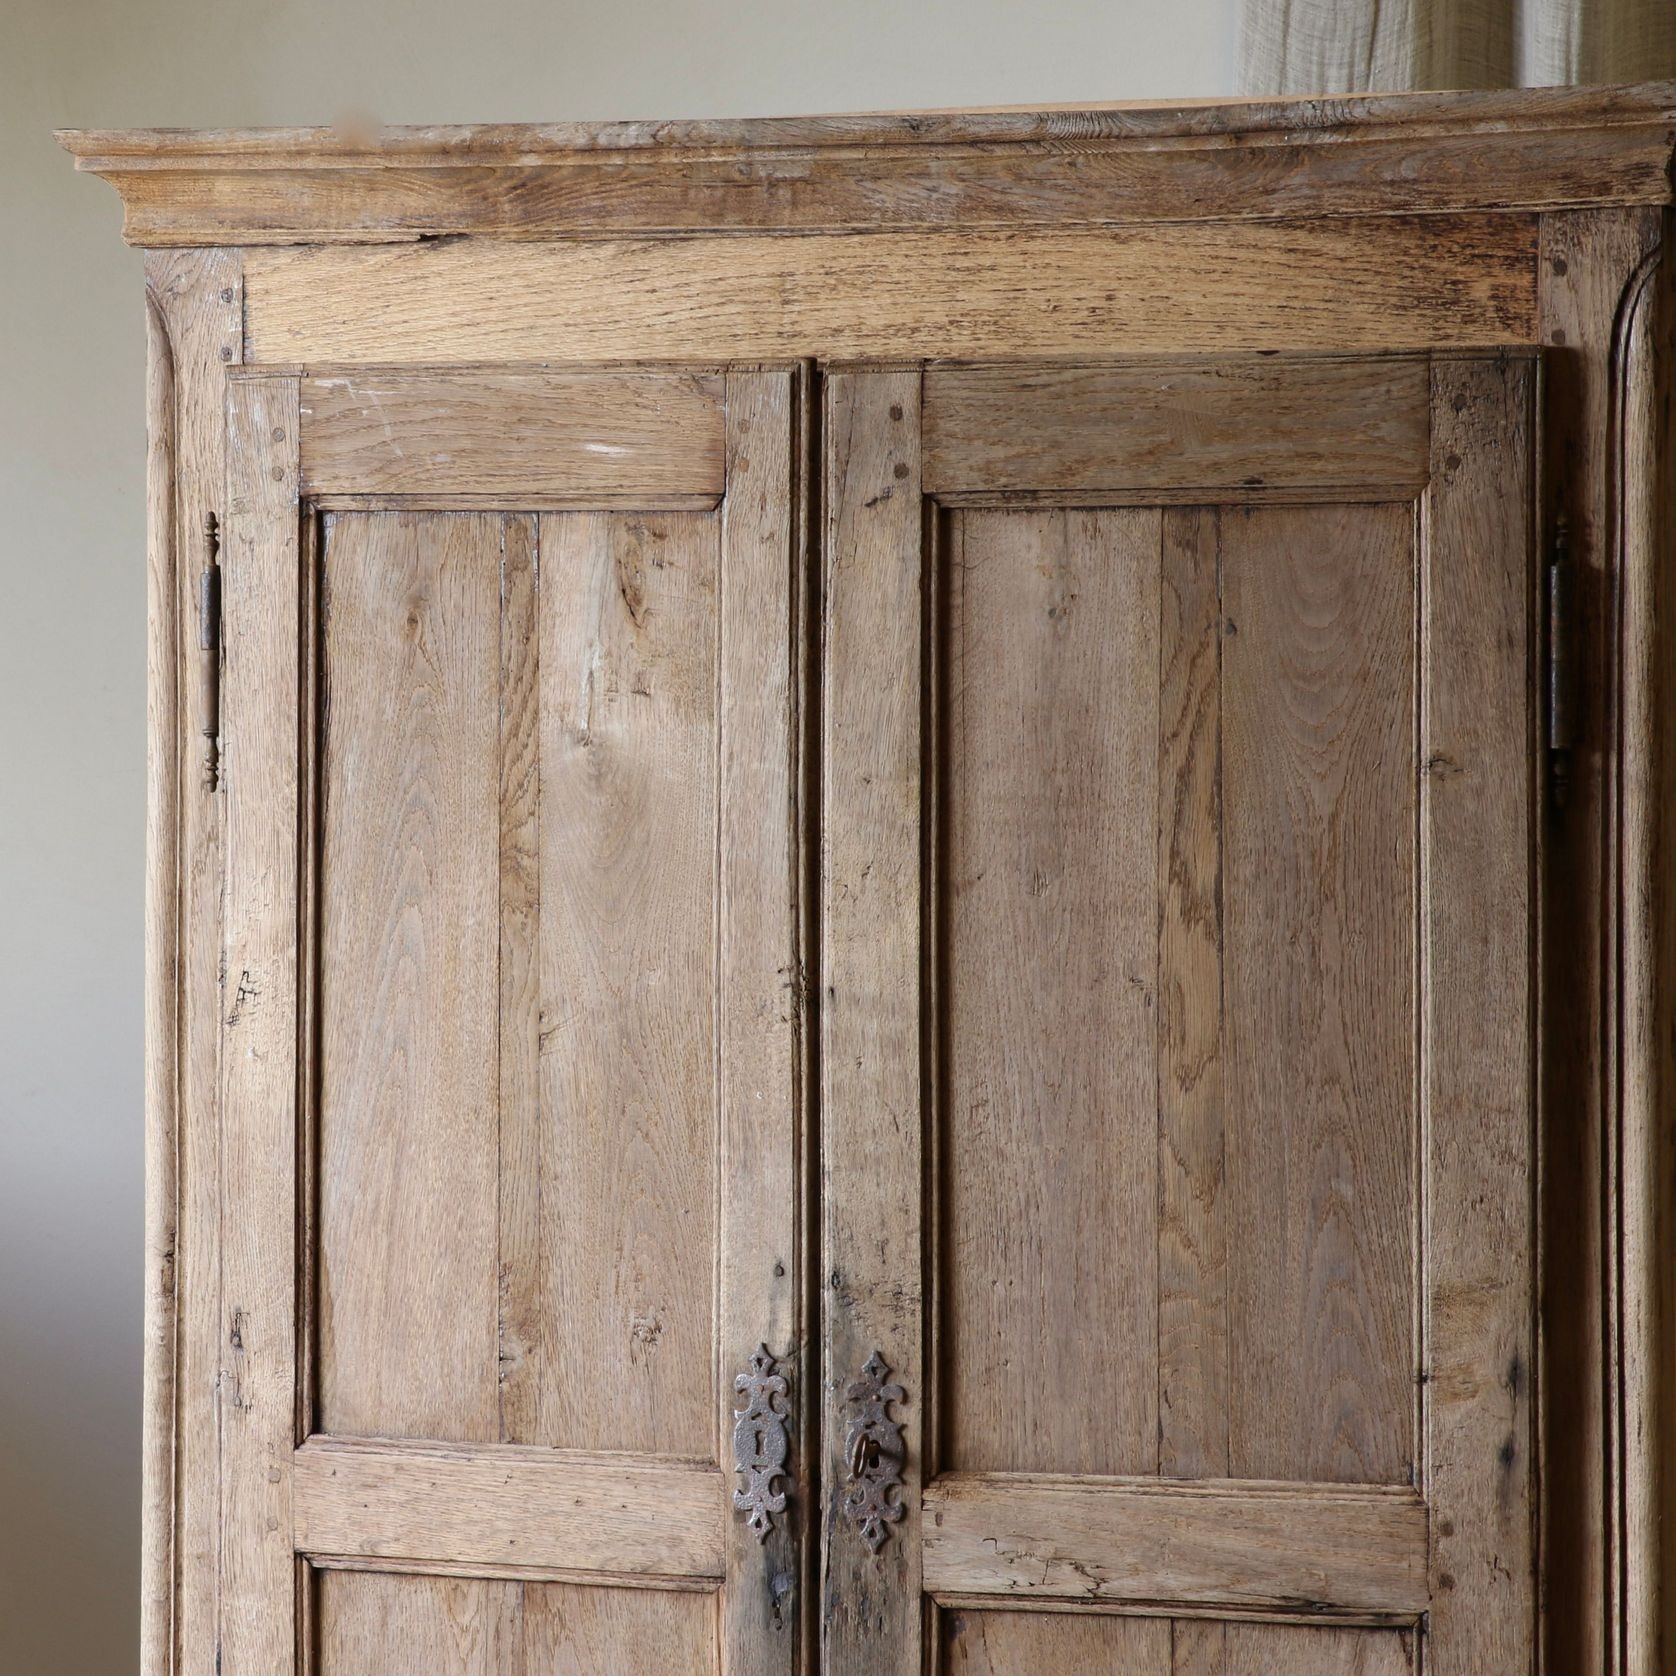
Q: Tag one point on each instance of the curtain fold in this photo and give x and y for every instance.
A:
(1358, 46)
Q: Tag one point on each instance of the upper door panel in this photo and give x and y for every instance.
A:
(1180, 823)
(512, 1048)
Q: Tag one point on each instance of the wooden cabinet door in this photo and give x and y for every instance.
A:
(511, 1030)
(1180, 819)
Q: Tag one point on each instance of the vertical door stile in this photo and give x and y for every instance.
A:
(258, 1379)
(871, 1175)
(759, 1036)
(1477, 1034)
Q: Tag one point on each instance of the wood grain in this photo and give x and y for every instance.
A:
(1263, 1649)
(1590, 260)
(1647, 1147)
(519, 1173)
(519, 434)
(1379, 284)
(1025, 1644)
(198, 297)
(442, 1626)
(409, 952)
(1233, 1544)
(1192, 422)
(259, 1117)
(1068, 165)
(1156, 120)
(617, 1632)
(1193, 1327)
(466, 1627)
(1477, 1071)
(1318, 799)
(1198, 1647)
(508, 1507)
(872, 1139)
(628, 982)
(1047, 985)
(164, 1127)
(761, 1024)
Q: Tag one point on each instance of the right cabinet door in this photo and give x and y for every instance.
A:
(1181, 809)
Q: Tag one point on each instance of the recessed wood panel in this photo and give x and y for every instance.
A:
(1319, 903)
(627, 961)
(1305, 1650)
(517, 1106)
(570, 1631)
(1049, 765)
(1026, 1644)
(444, 1626)
(409, 878)
(371, 1624)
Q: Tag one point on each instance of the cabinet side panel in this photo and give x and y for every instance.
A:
(1648, 1207)
(162, 1012)
(1588, 259)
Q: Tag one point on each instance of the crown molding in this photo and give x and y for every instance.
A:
(1094, 166)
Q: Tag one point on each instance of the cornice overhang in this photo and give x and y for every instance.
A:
(1091, 166)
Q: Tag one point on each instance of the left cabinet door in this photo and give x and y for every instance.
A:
(511, 1035)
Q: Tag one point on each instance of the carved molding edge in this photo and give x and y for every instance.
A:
(760, 1444)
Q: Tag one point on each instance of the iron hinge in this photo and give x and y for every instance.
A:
(209, 652)
(1563, 668)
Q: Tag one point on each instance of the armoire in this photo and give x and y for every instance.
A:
(908, 895)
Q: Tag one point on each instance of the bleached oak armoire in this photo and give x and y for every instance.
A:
(905, 909)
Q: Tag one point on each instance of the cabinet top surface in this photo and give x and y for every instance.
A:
(1085, 165)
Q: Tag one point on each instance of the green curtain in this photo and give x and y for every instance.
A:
(1354, 46)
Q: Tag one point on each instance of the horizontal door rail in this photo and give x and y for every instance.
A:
(1198, 422)
(506, 1509)
(533, 435)
(1320, 1549)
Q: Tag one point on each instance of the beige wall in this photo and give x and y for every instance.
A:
(72, 604)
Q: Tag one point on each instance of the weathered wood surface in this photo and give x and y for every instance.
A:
(1147, 428)
(628, 975)
(1233, 1544)
(1071, 167)
(477, 1627)
(259, 1109)
(872, 1128)
(764, 1117)
(161, 1455)
(508, 1509)
(1048, 1177)
(1478, 836)
(1403, 282)
(408, 1139)
(1645, 1231)
(1319, 1010)
(512, 434)
(198, 300)
(1589, 267)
